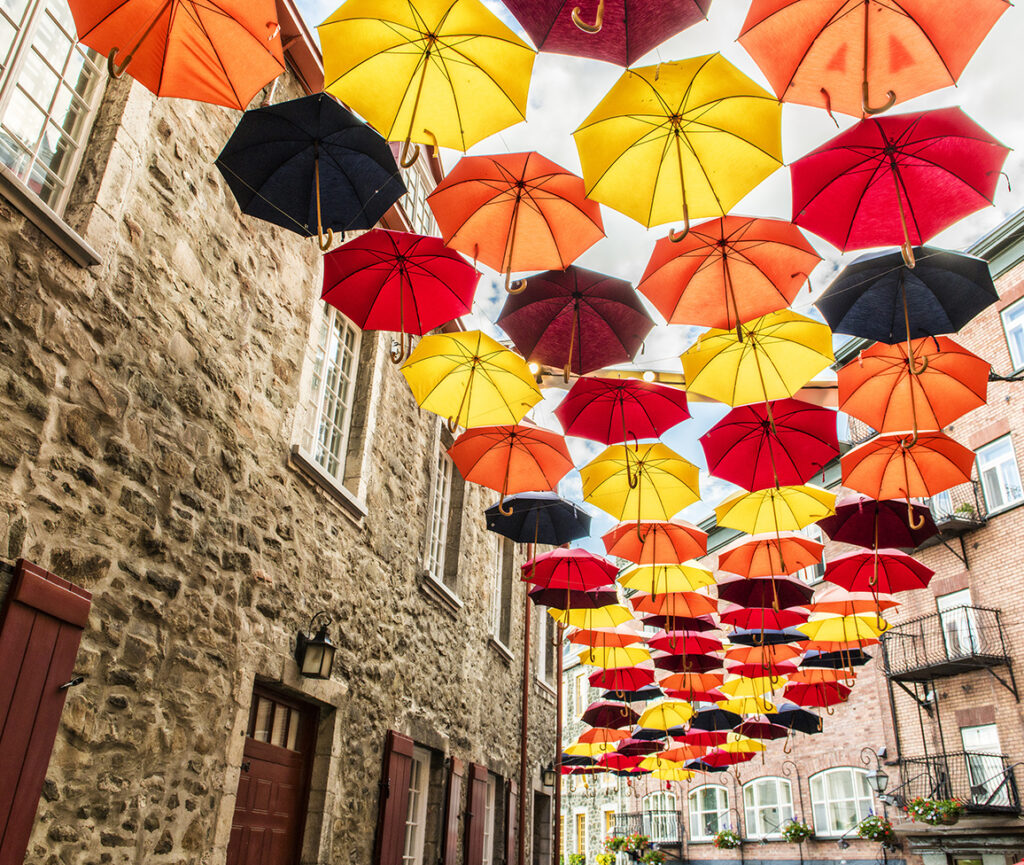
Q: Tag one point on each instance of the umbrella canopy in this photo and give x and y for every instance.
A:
(310, 165)
(692, 682)
(759, 671)
(762, 619)
(391, 280)
(901, 465)
(747, 706)
(638, 747)
(768, 653)
(715, 720)
(471, 379)
(656, 543)
(691, 623)
(513, 458)
(702, 738)
(603, 735)
(820, 694)
(686, 663)
(776, 592)
(896, 180)
(848, 55)
(442, 72)
(602, 617)
(769, 358)
(765, 637)
(629, 656)
(539, 518)
(571, 599)
(769, 555)
(576, 319)
(844, 628)
(669, 580)
(578, 570)
(645, 482)
(678, 140)
(223, 52)
(622, 678)
(620, 761)
(640, 695)
(617, 31)
(784, 442)
(589, 749)
(781, 509)
(608, 714)
(516, 212)
(878, 571)
(841, 602)
(867, 522)
(727, 271)
(854, 657)
(795, 718)
(762, 727)
(616, 411)
(666, 714)
(683, 643)
(818, 675)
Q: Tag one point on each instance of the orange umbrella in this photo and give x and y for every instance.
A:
(222, 52)
(687, 604)
(770, 555)
(683, 752)
(765, 655)
(728, 271)
(513, 458)
(600, 638)
(693, 686)
(602, 736)
(656, 543)
(881, 389)
(843, 603)
(817, 675)
(516, 212)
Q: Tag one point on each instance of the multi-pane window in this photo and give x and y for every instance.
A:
(416, 814)
(414, 202)
(985, 767)
(49, 88)
(490, 802)
(609, 821)
(768, 803)
(440, 506)
(841, 798)
(661, 809)
(332, 392)
(581, 832)
(504, 579)
(1013, 324)
(709, 811)
(959, 626)
(812, 573)
(1000, 476)
(546, 659)
(273, 722)
(580, 687)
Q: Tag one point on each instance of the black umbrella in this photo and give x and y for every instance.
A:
(569, 599)
(641, 695)
(576, 760)
(836, 660)
(796, 718)
(715, 719)
(309, 164)
(766, 638)
(544, 518)
(648, 734)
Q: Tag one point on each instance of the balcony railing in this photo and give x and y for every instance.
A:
(983, 783)
(944, 644)
(662, 827)
(957, 510)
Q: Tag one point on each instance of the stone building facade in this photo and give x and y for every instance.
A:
(166, 371)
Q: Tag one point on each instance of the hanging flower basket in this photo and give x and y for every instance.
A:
(727, 840)
(796, 832)
(876, 828)
(935, 812)
(636, 844)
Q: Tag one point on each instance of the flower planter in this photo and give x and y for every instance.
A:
(950, 819)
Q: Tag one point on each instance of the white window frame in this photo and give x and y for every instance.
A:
(696, 812)
(662, 800)
(985, 771)
(490, 801)
(419, 183)
(812, 574)
(546, 659)
(438, 517)
(1007, 462)
(504, 573)
(1013, 326)
(416, 813)
(960, 635)
(826, 823)
(756, 812)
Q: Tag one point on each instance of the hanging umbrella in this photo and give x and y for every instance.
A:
(619, 761)
(640, 695)
(844, 628)
(860, 57)
(516, 212)
(693, 663)
(641, 747)
(715, 720)
(866, 522)
(879, 571)
(820, 695)
(692, 683)
(796, 718)
(677, 774)
(539, 518)
(471, 379)
(761, 619)
(683, 643)
(820, 675)
(682, 604)
(769, 358)
(854, 657)
(391, 280)
(589, 749)
(605, 713)
(221, 52)
(747, 705)
(679, 140)
(658, 762)
(310, 165)
(765, 637)
(897, 180)
(681, 753)
(703, 738)
(770, 555)
(575, 319)
(727, 271)
(571, 599)
(441, 72)
(776, 592)
(740, 744)
(569, 760)
(668, 579)
(578, 570)
(760, 671)
(603, 735)
(767, 654)
(691, 623)
(666, 714)
(622, 678)
(628, 635)
(644, 482)
(656, 543)
(618, 411)
(752, 686)
(841, 602)
(762, 727)
(927, 385)
(607, 659)
(602, 617)
(781, 509)
(513, 458)
(783, 442)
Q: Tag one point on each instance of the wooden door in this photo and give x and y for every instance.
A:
(273, 787)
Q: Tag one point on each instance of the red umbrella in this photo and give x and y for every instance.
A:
(690, 696)
(391, 280)
(779, 443)
(572, 599)
(614, 411)
(576, 319)
(880, 572)
(622, 678)
(820, 694)
(683, 643)
(761, 727)
(763, 618)
(639, 747)
(896, 180)
(769, 555)
(656, 543)
(694, 663)
(615, 760)
(705, 738)
(607, 713)
(866, 522)
(690, 623)
(577, 570)
(770, 670)
(726, 758)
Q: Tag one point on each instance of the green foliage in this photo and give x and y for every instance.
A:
(615, 843)
(727, 840)
(934, 811)
(875, 828)
(577, 859)
(605, 859)
(795, 831)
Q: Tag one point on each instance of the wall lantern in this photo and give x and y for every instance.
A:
(547, 775)
(877, 779)
(315, 654)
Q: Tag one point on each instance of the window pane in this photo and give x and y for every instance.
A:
(261, 727)
(1013, 322)
(1000, 476)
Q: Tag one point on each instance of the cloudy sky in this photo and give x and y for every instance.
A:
(565, 89)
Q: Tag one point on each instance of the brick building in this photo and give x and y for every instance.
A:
(193, 439)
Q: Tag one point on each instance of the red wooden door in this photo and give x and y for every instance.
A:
(41, 625)
(273, 787)
(393, 804)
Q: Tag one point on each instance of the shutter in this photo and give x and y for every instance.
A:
(450, 852)
(40, 628)
(511, 822)
(393, 799)
(476, 814)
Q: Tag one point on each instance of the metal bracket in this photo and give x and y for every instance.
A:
(71, 683)
(1010, 685)
(927, 706)
(962, 555)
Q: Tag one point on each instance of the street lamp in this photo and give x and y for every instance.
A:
(315, 654)
(877, 779)
(547, 775)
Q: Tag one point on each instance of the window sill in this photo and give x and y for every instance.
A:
(311, 471)
(546, 689)
(46, 220)
(1004, 510)
(504, 651)
(440, 593)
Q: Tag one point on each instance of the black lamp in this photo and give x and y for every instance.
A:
(547, 775)
(877, 779)
(315, 654)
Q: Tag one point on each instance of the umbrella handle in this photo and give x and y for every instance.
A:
(890, 100)
(907, 251)
(453, 424)
(405, 160)
(583, 25)
(502, 511)
(677, 236)
(113, 69)
(400, 354)
(517, 287)
(324, 241)
(914, 524)
(917, 370)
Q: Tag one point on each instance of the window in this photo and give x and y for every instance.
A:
(444, 520)
(661, 810)
(581, 832)
(768, 803)
(275, 723)
(1000, 477)
(813, 573)
(416, 816)
(941, 506)
(490, 802)
(985, 766)
(840, 798)
(546, 638)
(1013, 324)
(561, 835)
(959, 627)
(49, 88)
(504, 579)
(609, 821)
(414, 203)
(580, 687)
(709, 811)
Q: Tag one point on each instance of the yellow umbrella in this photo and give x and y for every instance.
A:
(674, 774)
(743, 745)
(646, 482)
(666, 714)
(654, 761)
(615, 656)
(441, 72)
(470, 379)
(776, 509)
(769, 358)
(590, 749)
(843, 628)
(600, 617)
(678, 140)
(747, 705)
(666, 579)
(752, 686)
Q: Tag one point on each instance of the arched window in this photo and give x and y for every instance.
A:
(768, 804)
(709, 811)
(661, 816)
(841, 798)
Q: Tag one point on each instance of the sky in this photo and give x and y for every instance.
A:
(563, 91)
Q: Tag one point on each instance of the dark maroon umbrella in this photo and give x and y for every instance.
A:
(686, 663)
(639, 747)
(779, 443)
(775, 592)
(760, 727)
(865, 522)
(607, 713)
(699, 623)
(572, 599)
(616, 410)
(576, 319)
(625, 29)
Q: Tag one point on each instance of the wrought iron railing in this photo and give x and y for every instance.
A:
(662, 827)
(981, 782)
(958, 509)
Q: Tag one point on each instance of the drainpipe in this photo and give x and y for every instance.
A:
(524, 789)
(558, 749)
